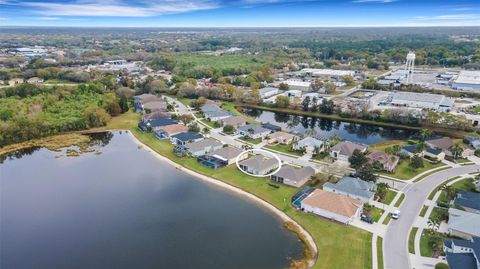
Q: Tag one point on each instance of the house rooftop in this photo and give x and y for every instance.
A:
(443, 143)
(382, 157)
(461, 261)
(257, 129)
(234, 120)
(468, 199)
(217, 113)
(202, 144)
(260, 162)
(354, 186)
(210, 108)
(155, 105)
(336, 203)
(418, 97)
(464, 221)
(186, 136)
(266, 90)
(347, 148)
(226, 153)
(172, 128)
(295, 174)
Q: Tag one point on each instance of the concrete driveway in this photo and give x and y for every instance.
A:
(396, 238)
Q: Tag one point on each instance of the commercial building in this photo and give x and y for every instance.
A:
(328, 73)
(299, 85)
(467, 81)
(268, 92)
(430, 101)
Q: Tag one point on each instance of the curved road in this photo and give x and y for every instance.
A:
(396, 238)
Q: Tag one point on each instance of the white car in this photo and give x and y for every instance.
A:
(396, 214)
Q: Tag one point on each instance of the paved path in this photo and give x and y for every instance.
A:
(396, 239)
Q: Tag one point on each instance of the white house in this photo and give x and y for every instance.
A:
(253, 131)
(268, 92)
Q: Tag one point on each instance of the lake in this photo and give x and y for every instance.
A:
(325, 128)
(121, 207)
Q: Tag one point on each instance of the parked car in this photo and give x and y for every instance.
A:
(366, 219)
(396, 214)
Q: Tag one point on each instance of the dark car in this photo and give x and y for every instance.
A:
(366, 219)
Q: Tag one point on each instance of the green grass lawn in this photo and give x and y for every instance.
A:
(59, 81)
(376, 214)
(284, 149)
(251, 141)
(209, 123)
(380, 252)
(389, 196)
(230, 107)
(423, 211)
(464, 185)
(425, 249)
(431, 172)
(400, 200)
(387, 219)
(434, 191)
(411, 240)
(405, 172)
(439, 213)
(340, 246)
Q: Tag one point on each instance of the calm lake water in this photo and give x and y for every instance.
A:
(126, 209)
(325, 128)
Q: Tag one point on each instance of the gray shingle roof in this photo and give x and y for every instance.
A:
(202, 144)
(346, 147)
(291, 173)
(257, 129)
(468, 199)
(464, 221)
(226, 152)
(260, 162)
(354, 186)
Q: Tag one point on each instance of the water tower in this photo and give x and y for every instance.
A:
(409, 66)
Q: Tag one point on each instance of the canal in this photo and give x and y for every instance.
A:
(325, 128)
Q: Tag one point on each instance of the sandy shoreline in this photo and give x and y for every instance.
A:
(237, 191)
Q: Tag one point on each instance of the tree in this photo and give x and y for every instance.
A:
(358, 159)
(186, 118)
(194, 127)
(449, 190)
(326, 107)
(330, 87)
(306, 103)
(456, 150)
(206, 130)
(228, 129)
(283, 87)
(348, 80)
(416, 162)
(421, 146)
(425, 134)
(96, 117)
(366, 172)
(282, 101)
(123, 103)
(196, 104)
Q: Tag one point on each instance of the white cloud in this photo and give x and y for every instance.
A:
(374, 1)
(48, 18)
(449, 17)
(3, 19)
(117, 8)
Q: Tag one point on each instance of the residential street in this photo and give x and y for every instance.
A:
(396, 239)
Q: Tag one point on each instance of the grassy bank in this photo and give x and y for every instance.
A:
(380, 252)
(411, 240)
(443, 131)
(53, 143)
(339, 246)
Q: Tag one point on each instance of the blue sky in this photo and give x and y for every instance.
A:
(239, 13)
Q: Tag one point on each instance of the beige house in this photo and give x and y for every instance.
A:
(15, 81)
(388, 162)
(332, 206)
(282, 138)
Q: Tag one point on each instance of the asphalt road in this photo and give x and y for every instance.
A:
(396, 238)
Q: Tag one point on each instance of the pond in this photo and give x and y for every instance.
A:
(325, 128)
(120, 207)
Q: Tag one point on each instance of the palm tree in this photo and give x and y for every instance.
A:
(420, 147)
(396, 149)
(456, 150)
(425, 134)
(433, 224)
